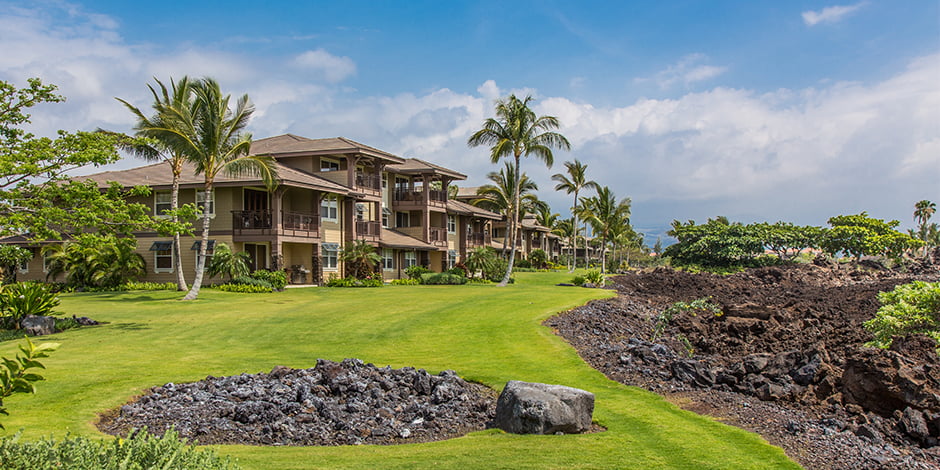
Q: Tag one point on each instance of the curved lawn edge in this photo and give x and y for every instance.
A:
(486, 333)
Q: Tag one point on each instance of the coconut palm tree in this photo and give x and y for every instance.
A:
(514, 133)
(210, 135)
(544, 215)
(360, 259)
(923, 210)
(606, 216)
(179, 96)
(499, 197)
(573, 183)
(225, 261)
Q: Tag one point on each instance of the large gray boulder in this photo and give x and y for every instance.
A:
(534, 408)
(38, 325)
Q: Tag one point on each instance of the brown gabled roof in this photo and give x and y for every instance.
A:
(415, 166)
(396, 239)
(529, 222)
(288, 145)
(461, 207)
(159, 176)
(467, 193)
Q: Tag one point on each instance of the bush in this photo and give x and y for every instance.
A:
(415, 272)
(353, 282)
(538, 258)
(495, 271)
(244, 288)
(138, 452)
(405, 282)
(277, 279)
(578, 280)
(27, 298)
(458, 270)
(148, 286)
(443, 279)
(523, 263)
(595, 277)
(250, 281)
(908, 309)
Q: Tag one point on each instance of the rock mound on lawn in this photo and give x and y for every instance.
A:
(334, 403)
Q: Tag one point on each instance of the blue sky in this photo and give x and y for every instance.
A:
(795, 110)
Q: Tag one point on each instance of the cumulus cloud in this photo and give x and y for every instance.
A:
(333, 68)
(688, 70)
(831, 14)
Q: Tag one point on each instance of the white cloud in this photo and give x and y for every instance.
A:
(688, 70)
(333, 68)
(831, 14)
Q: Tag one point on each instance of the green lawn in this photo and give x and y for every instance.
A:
(485, 333)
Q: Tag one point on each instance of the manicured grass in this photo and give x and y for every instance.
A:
(486, 333)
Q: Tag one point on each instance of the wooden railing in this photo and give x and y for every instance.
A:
(251, 220)
(302, 224)
(437, 236)
(368, 228)
(367, 181)
(435, 196)
(479, 239)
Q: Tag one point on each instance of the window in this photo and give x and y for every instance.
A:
(451, 258)
(411, 259)
(329, 165)
(360, 211)
(402, 219)
(384, 180)
(451, 224)
(162, 256)
(210, 249)
(205, 205)
(330, 255)
(386, 212)
(329, 208)
(23, 267)
(45, 262)
(388, 259)
(161, 203)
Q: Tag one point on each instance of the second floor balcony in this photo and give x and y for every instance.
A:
(368, 182)
(256, 223)
(437, 236)
(479, 239)
(405, 197)
(368, 229)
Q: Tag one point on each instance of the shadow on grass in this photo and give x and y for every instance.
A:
(130, 326)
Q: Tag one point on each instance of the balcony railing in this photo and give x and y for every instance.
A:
(435, 196)
(368, 228)
(479, 239)
(437, 236)
(261, 222)
(367, 181)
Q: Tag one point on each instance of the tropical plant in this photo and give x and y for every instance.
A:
(514, 133)
(415, 271)
(360, 259)
(908, 309)
(443, 279)
(538, 258)
(228, 263)
(11, 257)
(923, 210)
(15, 376)
(27, 298)
(92, 260)
(210, 135)
(179, 96)
(573, 183)
(595, 277)
(277, 279)
(499, 197)
(479, 259)
(606, 216)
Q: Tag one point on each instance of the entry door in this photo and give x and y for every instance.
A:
(258, 254)
(256, 200)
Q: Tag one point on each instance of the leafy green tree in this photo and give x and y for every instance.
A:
(178, 96)
(37, 197)
(516, 132)
(907, 309)
(11, 257)
(573, 183)
(15, 374)
(715, 244)
(859, 235)
(606, 216)
(224, 261)
(211, 136)
(787, 240)
(658, 247)
(538, 258)
(360, 259)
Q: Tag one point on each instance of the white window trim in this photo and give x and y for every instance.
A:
(202, 192)
(324, 257)
(388, 262)
(330, 201)
(451, 224)
(169, 203)
(411, 257)
(45, 263)
(172, 267)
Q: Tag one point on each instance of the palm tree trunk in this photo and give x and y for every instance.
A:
(201, 263)
(574, 234)
(515, 218)
(177, 248)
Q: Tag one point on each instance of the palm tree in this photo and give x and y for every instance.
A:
(479, 259)
(499, 196)
(179, 96)
(360, 259)
(517, 132)
(225, 261)
(606, 216)
(574, 182)
(544, 215)
(210, 135)
(923, 210)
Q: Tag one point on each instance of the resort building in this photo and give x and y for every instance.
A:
(331, 192)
